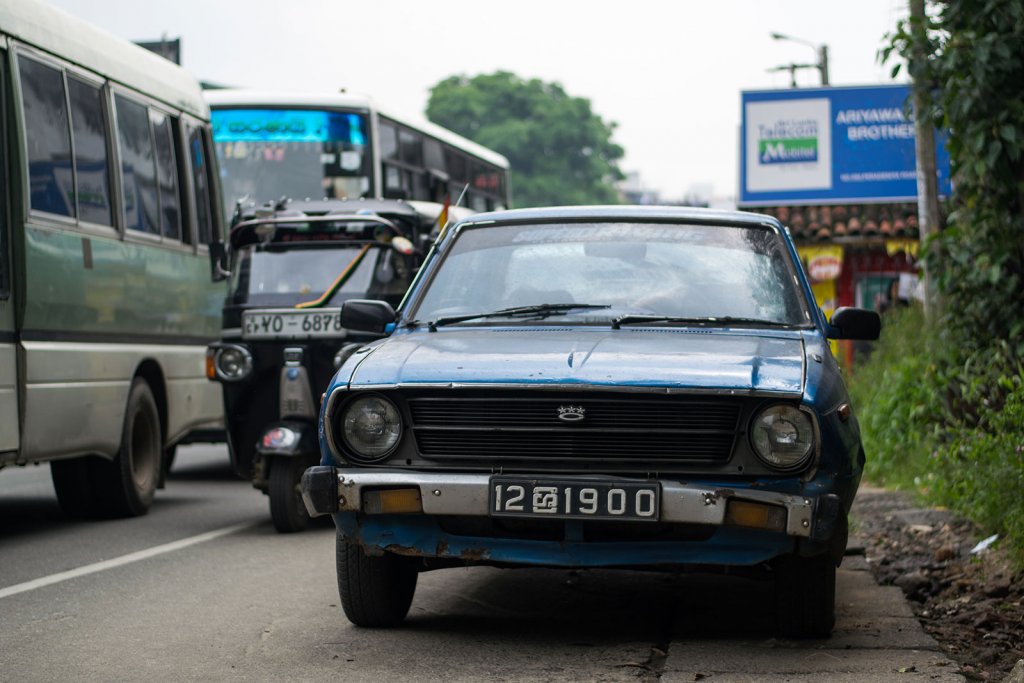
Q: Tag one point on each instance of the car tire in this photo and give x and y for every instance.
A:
(128, 482)
(805, 592)
(375, 592)
(287, 510)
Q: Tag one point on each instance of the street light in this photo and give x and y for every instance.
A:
(821, 66)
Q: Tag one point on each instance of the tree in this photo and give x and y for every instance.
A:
(974, 66)
(561, 152)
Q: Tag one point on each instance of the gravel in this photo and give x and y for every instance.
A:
(972, 603)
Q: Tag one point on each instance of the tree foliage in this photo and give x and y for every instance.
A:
(942, 400)
(560, 151)
(975, 67)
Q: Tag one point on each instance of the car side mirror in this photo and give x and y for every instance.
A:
(855, 323)
(218, 262)
(367, 315)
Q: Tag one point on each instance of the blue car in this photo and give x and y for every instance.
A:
(630, 387)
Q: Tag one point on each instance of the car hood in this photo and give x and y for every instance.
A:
(670, 358)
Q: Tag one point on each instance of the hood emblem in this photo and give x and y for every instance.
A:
(571, 413)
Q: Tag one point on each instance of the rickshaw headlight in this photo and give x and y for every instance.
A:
(371, 427)
(783, 436)
(232, 362)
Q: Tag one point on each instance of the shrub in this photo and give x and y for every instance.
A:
(946, 425)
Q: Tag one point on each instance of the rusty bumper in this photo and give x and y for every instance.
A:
(328, 490)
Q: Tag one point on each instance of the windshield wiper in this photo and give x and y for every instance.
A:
(631, 318)
(539, 310)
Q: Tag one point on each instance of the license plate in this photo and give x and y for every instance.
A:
(292, 324)
(574, 499)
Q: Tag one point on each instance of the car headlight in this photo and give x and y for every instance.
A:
(783, 436)
(371, 427)
(232, 362)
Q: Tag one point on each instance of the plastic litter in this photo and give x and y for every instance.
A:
(984, 545)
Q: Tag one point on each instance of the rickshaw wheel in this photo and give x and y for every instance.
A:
(287, 510)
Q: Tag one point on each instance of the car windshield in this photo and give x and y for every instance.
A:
(276, 276)
(618, 270)
(266, 154)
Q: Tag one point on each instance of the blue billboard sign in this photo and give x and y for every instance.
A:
(830, 145)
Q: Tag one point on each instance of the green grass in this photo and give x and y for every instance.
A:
(948, 429)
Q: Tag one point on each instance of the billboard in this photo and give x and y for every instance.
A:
(830, 145)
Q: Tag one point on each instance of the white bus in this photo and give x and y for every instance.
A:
(106, 297)
(344, 146)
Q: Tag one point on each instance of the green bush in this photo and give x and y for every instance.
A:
(894, 394)
(948, 428)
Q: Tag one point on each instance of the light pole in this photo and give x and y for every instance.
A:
(821, 66)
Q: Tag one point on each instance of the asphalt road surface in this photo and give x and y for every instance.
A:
(202, 589)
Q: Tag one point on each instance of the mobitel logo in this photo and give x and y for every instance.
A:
(788, 142)
(788, 151)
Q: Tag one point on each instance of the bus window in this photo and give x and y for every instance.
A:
(138, 168)
(433, 156)
(92, 172)
(388, 141)
(48, 138)
(201, 183)
(266, 154)
(5, 269)
(411, 146)
(167, 177)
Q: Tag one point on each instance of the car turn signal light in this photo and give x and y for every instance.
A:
(755, 515)
(392, 501)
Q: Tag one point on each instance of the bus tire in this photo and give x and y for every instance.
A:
(287, 510)
(73, 482)
(129, 481)
(375, 592)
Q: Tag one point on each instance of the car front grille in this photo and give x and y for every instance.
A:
(617, 433)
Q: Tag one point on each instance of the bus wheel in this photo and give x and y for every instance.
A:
(167, 464)
(130, 480)
(287, 510)
(73, 482)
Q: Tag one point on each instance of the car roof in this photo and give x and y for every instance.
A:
(623, 212)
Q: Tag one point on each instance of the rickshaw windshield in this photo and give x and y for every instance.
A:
(286, 277)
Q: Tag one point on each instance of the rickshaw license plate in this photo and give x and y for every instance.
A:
(292, 324)
(574, 499)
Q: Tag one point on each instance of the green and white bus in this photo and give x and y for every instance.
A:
(274, 144)
(106, 297)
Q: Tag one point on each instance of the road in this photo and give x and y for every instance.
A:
(202, 589)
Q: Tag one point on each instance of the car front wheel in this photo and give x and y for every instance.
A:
(375, 591)
(805, 592)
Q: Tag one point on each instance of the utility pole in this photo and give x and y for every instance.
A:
(924, 134)
(821, 65)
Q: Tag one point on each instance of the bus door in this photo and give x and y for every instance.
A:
(9, 424)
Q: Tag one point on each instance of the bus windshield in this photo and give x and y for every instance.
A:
(266, 154)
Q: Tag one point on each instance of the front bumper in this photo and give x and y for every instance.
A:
(328, 490)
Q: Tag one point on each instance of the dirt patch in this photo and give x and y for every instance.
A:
(972, 603)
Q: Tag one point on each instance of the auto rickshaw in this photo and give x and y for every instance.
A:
(290, 267)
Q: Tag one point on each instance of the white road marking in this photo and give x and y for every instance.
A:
(123, 560)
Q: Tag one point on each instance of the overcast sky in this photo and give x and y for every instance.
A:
(667, 72)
